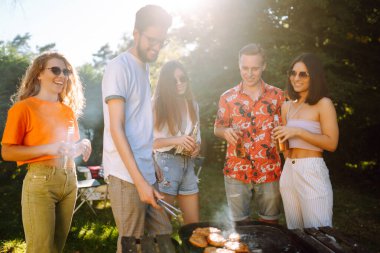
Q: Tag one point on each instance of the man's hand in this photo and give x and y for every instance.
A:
(232, 136)
(148, 194)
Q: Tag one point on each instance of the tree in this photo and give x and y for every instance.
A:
(12, 66)
(102, 56)
(344, 34)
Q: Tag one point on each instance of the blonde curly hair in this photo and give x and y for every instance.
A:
(72, 95)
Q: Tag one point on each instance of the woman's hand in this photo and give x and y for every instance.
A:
(187, 142)
(283, 133)
(55, 149)
(84, 146)
(60, 148)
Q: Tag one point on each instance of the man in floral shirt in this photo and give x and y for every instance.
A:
(245, 120)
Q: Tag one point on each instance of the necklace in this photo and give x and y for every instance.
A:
(291, 115)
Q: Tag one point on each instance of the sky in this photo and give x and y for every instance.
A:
(79, 28)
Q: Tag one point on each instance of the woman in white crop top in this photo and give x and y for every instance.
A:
(310, 126)
(177, 139)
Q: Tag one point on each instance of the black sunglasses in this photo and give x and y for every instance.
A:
(301, 74)
(57, 71)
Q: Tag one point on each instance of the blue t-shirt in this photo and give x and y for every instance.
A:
(126, 78)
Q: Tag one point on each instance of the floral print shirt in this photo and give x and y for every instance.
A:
(261, 163)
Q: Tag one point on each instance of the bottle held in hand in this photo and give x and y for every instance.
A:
(280, 146)
(69, 142)
(194, 132)
(240, 150)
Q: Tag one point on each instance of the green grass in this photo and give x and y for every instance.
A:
(356, 213)
(357, 206)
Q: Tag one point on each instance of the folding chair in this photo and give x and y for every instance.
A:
(86, 193)
(91, 189)
(85, 171)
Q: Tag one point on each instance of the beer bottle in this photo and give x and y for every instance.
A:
(280, 146)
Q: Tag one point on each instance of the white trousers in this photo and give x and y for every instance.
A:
(306, 193)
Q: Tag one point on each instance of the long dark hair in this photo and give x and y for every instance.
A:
(318, 85)
(165, 103)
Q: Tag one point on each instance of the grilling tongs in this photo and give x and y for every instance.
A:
(169, 208)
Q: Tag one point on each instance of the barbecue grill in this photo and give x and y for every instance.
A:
(267, 238)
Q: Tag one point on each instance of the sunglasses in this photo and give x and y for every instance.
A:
(301, 74)
(57, 71)
(181, 79)
(153, 41)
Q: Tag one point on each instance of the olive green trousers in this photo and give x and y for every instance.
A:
(48, 200)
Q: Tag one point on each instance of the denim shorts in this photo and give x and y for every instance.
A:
(179, 175)
(266, 196)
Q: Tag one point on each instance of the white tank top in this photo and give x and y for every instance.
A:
(309, 125)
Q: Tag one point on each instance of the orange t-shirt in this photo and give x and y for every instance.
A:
(33, 122)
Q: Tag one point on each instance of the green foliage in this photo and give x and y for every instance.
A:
(14, 246)
(91, 233)
(12, 66)
(20, 43)
(344, 34)
(102, 56)
(45, 48)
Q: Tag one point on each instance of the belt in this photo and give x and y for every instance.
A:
(170, 152)
(173, 152)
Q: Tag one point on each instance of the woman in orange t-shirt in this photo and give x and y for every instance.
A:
(42, 132)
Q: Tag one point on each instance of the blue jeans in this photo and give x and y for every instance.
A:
(239, 196)
(179, 175)
(48, 200)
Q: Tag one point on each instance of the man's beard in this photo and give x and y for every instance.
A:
(143, 55)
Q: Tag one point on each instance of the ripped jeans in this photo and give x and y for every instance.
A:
(239, 196)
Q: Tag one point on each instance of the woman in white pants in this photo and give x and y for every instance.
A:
(310, 126)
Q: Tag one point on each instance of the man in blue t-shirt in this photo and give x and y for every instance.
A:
(128, 130)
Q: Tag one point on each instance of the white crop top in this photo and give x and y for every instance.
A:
(309, 125)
